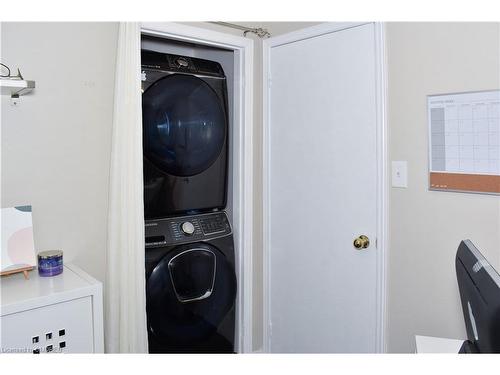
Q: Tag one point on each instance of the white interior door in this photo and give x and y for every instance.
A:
(321, 190)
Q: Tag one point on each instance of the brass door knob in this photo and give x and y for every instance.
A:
(362, 242)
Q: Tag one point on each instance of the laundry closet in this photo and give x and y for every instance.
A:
(322, 98)
(187, 107)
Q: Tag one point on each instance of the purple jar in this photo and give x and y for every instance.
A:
(50, 263)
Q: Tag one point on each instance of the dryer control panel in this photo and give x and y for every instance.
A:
(177, 230)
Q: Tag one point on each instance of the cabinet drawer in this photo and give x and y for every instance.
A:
(65, 327)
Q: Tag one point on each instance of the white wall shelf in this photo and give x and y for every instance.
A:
(16, 87)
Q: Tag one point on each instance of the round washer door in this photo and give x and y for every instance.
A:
(189, 293)
(184, 125)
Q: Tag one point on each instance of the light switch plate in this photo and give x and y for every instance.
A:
(400, 174)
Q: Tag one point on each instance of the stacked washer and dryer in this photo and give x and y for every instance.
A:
(190, 262)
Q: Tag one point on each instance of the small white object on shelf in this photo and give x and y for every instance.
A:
(16, 87)
(429, 344)
(58, 314)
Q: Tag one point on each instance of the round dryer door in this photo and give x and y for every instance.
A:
(184, 125)
(189, 293)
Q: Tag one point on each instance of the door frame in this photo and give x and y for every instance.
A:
(381, 242)
(242, 158)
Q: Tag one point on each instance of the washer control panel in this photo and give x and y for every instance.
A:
(177, 230)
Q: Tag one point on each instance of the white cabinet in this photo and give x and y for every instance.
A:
(60, 314)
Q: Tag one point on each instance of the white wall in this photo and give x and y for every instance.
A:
(56, 144)
(426, 227)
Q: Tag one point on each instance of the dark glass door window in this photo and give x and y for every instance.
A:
(192, 273)
(189, 293)
(184, 125)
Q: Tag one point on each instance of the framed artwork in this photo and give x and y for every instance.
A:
(18, 250)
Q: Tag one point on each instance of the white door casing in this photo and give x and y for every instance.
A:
(324, 184)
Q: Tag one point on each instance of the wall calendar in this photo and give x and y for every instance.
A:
(464, 142)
